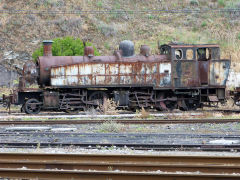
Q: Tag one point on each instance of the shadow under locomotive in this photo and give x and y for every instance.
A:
(181, 76)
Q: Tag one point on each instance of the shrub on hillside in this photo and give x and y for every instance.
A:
(106, 29)
(221, 3)
(67, 46)
(194, 3)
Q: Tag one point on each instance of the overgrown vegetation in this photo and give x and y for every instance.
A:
(110, 127)
(142, 114)
(67, 46)
(109, 107)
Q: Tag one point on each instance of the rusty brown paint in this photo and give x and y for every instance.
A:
(146, 72)
(47, 48)
(61, 166)
(185, 74)
(203, 72)
(145, 50)
(51, 99)
(88, 51)
(219, 71)
(45, 63)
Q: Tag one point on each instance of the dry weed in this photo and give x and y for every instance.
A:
(110, 127)
(142, 114)
(109, 107)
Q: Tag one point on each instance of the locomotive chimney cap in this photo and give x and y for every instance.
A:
(47, 42)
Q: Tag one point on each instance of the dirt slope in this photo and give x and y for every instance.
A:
(22, 33)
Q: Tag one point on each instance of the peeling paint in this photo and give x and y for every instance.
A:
(134, 73)
(219, 72)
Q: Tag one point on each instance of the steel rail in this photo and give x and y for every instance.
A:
(103, 175)
(123, 121)
(18, 113)
(156, 147)
(99, 166)
(125, 135)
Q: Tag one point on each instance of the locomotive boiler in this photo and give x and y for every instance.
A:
(182, 76)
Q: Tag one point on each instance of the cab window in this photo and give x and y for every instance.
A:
(189, 54)
(178, 54)
(164, 50)
(203, 54)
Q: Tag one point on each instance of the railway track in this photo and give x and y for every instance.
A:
(96, 166)
(155, 147)
(147, 141)
(123, 121)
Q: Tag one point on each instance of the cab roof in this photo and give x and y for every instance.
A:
(193, 45)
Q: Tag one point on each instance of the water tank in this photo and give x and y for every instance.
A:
(127, 48)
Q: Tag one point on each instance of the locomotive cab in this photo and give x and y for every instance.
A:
(198, 69)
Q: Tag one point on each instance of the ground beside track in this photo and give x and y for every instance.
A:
(66, 133)
(112, 150)
(113, 127)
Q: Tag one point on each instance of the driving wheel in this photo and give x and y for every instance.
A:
(98, 98)
(32, 106)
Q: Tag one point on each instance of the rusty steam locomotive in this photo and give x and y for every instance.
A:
(181, 76)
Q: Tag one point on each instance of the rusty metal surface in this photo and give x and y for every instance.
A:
(126, 166)
(145, 50)
(203, 72)
(21, 84)
(237, 89)
(88, 51)
(46, 63)
(47, 48)
(185, 74)
(219, 71)
(64, 166)
(152, 70)
(103, 175)
(51, 99)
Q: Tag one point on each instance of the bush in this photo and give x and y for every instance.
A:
(67, 46)
(106, 29)
(194, 3)
(221, 3)
(204, 24)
